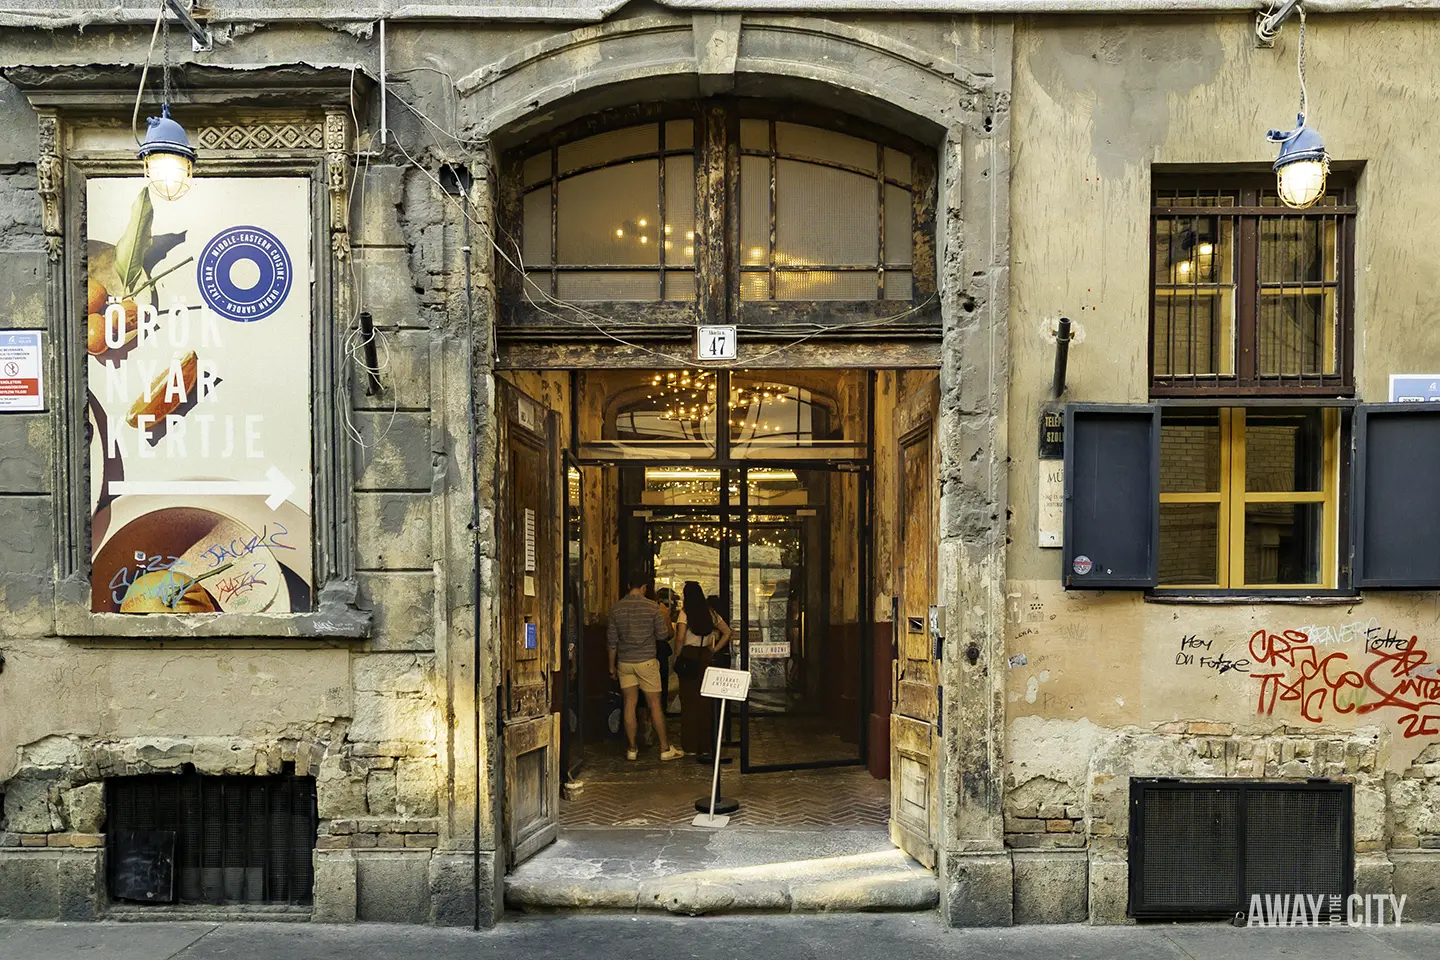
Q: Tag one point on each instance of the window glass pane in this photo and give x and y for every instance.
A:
(1189, 543)
(1284, 451)
(1296, 334)
(1194, 251)
(795, 140)
(1190, 451)
(1295, 250)
(609, 147)
(1282, 543)
(646, 414)
(755, 135)
(797, 414)
(826, 285)
(679, 229)
(1194, 333)
(679, 134)
(824, 216)
(679, 285)
(755, 285)
(536, 168)
(897, 165)
(610, 216)
(681, 486)
(754, 210)
(537, 286)
(536, 230)
(617, 285)
(898, 239)
(1191, 197)
(898, 285)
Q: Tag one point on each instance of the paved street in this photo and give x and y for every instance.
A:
(911, 937)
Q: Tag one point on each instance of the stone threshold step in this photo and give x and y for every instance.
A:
(726, 891)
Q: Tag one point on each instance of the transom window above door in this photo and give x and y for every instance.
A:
(724, 212)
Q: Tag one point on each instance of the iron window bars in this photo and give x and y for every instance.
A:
(1250, 297)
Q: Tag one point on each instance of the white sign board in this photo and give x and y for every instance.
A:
(715, 343)
(770, 651)
(724, 684)
(1051, 502)
(1414, 387)
(21, 382)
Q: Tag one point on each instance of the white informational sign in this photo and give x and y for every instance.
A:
(715, 343)
(21, 380)
(1051, 501)
(1414, 387)
(724, 684)
(770, 651)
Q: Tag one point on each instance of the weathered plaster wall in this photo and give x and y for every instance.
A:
(1101, 686)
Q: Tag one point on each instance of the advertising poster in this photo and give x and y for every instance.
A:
(198, 333)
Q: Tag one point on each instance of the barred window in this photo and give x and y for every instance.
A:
(1250, 297)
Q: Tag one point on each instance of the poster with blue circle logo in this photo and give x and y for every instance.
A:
(198, 336)
(244, 273)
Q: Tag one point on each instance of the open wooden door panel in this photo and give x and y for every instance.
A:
(914, 717)
(528, 527)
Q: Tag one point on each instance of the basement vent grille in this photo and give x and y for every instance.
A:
(1202, 848)
(217, 840)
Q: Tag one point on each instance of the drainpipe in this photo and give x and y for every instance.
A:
(1062, 355)
(475, 540)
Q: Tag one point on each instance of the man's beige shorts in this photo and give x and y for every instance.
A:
(645, 675)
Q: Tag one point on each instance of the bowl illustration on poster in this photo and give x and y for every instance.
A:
(194, 559)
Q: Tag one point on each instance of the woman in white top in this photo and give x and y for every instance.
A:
(699, 632)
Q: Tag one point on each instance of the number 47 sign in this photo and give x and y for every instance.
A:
(715, 343)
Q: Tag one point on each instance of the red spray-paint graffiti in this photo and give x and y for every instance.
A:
(1393, 675)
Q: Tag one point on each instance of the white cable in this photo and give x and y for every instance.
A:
(144, 71)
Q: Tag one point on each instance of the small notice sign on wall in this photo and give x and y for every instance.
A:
(715, 343)
(21, 377)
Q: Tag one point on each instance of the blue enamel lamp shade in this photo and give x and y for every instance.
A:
(167, 156)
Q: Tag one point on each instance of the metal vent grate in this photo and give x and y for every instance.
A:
(1202, 848)
(216, 840)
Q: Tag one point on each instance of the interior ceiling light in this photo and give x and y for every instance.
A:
(1303, 166)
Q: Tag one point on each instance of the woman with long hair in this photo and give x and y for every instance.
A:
(699, 633)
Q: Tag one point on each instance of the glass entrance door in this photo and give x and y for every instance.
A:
(798, 568)
(784, 550)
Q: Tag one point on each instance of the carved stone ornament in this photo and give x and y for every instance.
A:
(337, 165)
(50, 176)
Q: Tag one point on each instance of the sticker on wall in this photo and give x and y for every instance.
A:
(1082, 565)
(532, 636)
(199, 427)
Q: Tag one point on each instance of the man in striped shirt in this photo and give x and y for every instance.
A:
(636, 626)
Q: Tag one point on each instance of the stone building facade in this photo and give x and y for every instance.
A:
(1048, 129)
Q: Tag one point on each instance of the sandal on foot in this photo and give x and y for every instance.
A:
(674, 753)
(632, 754)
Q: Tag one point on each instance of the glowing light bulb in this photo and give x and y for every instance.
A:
(643, 222)
(644, 239)
(619, 232)
(1206, 249)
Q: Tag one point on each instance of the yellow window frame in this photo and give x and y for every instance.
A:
(1232, 498)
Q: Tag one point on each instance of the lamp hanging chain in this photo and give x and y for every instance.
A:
(1300, 65)
(165, 61)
